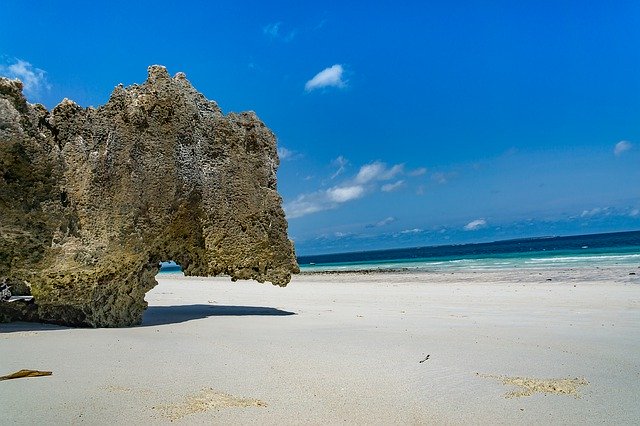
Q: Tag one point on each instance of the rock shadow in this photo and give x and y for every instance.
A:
(28, 327)
(161, 315)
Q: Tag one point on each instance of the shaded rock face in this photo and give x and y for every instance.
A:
(91, 200)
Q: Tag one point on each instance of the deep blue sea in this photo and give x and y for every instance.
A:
(620, 248)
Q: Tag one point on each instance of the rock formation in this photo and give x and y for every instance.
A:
(91, 200)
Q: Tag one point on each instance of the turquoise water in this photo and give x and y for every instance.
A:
(622, 249)
(533, 260)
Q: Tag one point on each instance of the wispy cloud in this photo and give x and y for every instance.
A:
(328, 77)
(411, 231)
(342, 194)
(341, 163)
(306, 204)
(322, 200)
(622, 147)
(474, 225)
(442, 178)
(596, 211)
(605, 213)
(351, 189)
(274, 31)
(418, 172)
(33, 79)
(320, 24)
(384, 222)
(378, 171)
(390, 187)
(285, 154)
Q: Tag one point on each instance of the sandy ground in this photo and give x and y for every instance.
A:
(492, 347)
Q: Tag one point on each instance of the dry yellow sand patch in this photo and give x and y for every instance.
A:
(528, 386)
(205, 400)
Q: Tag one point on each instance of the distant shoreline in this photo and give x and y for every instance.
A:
(631, 267)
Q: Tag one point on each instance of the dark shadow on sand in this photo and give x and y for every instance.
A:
(161, 315)
(23, 326)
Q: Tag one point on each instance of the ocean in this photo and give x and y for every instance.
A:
(620, 248)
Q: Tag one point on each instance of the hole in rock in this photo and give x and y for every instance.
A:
(170, 267)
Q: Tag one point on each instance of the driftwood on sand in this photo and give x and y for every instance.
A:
(26, 373)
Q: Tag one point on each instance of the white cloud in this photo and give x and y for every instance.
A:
(328, 77)
(378, 171)
(634, 213)
(389, 187)
(596, 211)
(322, 200)
(341, 164)
(346, 193)
(592, 212)
(384, 222)
(418, 172)
(348, 190)
(285, 154)
(33, 79)
(303, 205)
(392, 172)
(475, 225)
(622, 147)
(368, 172)
(411, 231)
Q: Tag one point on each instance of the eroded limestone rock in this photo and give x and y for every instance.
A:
(91, 200)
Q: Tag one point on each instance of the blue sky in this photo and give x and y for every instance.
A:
(399, 123)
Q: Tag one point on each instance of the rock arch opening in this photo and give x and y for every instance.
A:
(170, 267)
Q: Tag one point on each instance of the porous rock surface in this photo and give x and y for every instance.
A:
(91, 200)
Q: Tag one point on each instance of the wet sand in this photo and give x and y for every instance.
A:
(489, 347)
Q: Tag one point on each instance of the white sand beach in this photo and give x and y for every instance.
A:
(404, 348)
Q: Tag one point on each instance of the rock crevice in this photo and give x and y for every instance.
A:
(92, 199)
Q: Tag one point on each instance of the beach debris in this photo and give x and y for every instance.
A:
(5, 293)
(529, 386)
(425, 358)
(26, 373)
(204, 400)
(21, 299)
